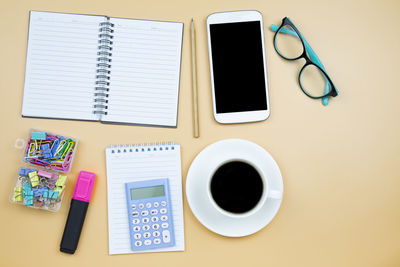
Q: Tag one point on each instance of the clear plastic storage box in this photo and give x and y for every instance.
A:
(42, 183)
(39, 189)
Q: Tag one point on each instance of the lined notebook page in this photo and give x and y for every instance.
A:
(61, 65)
(133, 163)
(145, 71)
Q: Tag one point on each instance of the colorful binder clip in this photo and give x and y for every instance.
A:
(40, 189)
(60, 184)
(18, 194)
(38, 136)
(34, 178)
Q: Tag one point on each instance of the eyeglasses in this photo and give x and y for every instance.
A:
(290, 44)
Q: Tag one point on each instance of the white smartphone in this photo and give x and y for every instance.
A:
(238, 66)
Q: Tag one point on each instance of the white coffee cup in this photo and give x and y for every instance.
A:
(267, 192)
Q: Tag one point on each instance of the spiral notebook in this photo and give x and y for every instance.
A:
(97, 68)
(135, 163)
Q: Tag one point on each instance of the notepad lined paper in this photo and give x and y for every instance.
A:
(61, 66)
(113, 70)
(141, 162)
(144, 83)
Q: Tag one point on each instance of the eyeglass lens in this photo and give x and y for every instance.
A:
(288, 43)
(313, 81)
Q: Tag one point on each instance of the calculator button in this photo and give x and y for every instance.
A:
(166, 236)
(141, 206)
(148, 205)
(147, 242)
(163, 203)
(145, 213)
(156, 233)
(136, 221)
(164, 225)
(133, 206)
(137, 236)
(146, 235)
(154, 212)
(164, 218)
(155, 226)
(154, 219)
(146, 227)
(138, 243)
(145, 220)
(157, 241)
(163, 211)
(135, 214)
(156, 204)
(136, 228)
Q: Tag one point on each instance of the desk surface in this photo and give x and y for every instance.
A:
(340, 163)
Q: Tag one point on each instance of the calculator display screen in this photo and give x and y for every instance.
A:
(147, 192)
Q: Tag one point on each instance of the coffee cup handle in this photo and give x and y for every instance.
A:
(275, 194)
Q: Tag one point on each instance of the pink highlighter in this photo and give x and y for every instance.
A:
(77, 211)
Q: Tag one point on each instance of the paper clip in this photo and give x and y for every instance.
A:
(68, 158)
(50, 151)
(32, 150)
(55, 146)
(57, 166)
(39, 162)
(69, 145)
(60, 148)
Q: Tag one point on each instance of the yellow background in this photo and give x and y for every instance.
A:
(340, 163)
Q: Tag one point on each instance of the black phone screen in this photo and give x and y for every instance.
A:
(238, 67)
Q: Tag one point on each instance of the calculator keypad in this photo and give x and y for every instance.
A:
(150, 232)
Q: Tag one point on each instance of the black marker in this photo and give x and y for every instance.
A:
(77, 211)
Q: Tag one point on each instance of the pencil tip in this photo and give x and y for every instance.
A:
(192, 19)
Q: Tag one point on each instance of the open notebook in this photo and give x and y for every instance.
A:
(97, 68)
(136, 163)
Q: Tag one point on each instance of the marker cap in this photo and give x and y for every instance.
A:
(84, 186)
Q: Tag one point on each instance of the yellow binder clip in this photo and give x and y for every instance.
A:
(60, 184)
(34, 178)
(18, 194)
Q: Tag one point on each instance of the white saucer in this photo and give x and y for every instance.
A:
(197, 186)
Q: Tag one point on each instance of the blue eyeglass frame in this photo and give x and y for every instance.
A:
(310, 57)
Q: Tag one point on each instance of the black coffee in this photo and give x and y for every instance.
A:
(236, 187)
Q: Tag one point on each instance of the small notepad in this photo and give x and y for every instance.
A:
(138, 163)
(97, 68)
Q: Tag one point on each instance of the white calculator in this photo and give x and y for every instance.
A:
(150, 215)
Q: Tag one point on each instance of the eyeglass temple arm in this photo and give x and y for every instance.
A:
(312, 54)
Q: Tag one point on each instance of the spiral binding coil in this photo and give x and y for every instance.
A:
(144, 147)
(103, 67)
